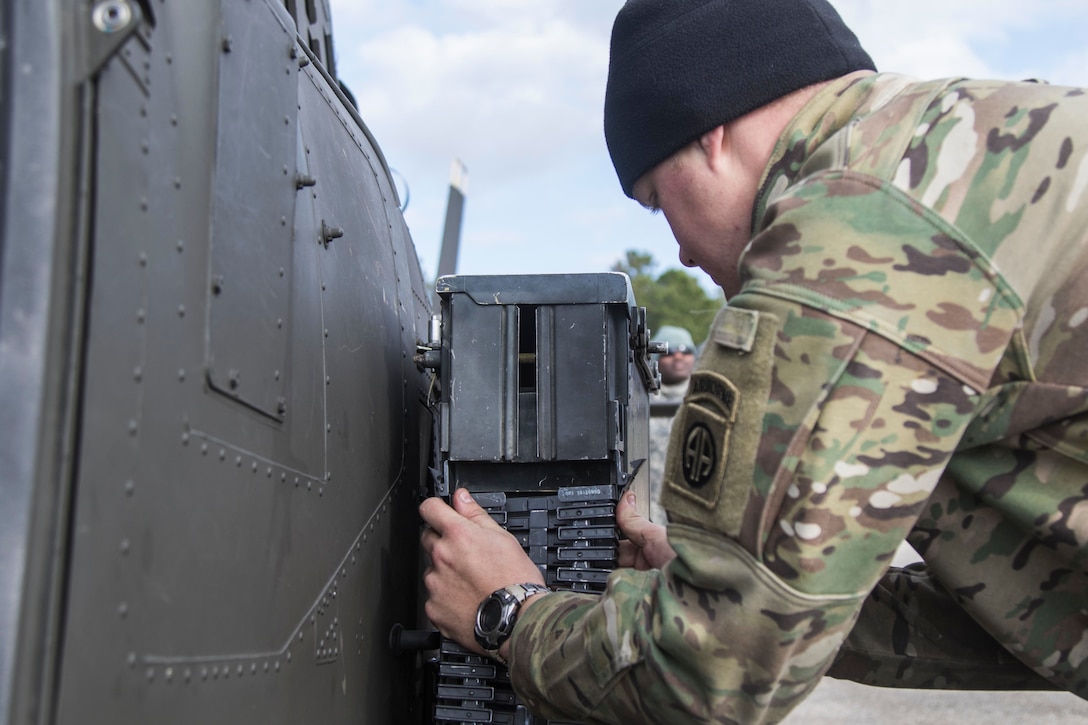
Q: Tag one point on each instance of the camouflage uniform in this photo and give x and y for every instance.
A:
(906, 359)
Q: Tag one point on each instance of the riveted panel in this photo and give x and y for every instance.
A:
(232, 559)
(254, 191)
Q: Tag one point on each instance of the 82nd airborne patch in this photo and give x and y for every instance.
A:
(700, 456)
(697, 457)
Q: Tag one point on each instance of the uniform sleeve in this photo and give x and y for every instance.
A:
(823, 412)
(912, 632)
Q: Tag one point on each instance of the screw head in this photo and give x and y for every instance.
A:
(110, 16)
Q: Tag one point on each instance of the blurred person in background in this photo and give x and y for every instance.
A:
(676, 367)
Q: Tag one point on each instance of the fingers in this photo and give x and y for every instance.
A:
(460, 525)
(437, 513)
(428, 539)
(467, 507)
(627, 554)
(647, 545)
(629, 520)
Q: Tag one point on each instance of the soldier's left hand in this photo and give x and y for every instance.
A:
(647, 544)
(471, 556)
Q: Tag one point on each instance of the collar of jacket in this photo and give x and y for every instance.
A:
(815, 130)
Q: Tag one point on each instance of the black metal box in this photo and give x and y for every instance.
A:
(544, 418)
(545, 382)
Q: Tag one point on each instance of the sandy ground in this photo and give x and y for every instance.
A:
(838, 701)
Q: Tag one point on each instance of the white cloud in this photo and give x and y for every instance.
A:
(517, 94)
(1071, 69)
(974, 38)
(515, 89)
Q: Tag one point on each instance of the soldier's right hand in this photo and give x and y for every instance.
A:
(470, 557)
(646, 546)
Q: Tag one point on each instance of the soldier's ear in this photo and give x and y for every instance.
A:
(712, 143)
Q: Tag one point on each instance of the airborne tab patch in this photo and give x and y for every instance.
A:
(718, 389)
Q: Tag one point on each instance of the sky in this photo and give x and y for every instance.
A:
(514, 89)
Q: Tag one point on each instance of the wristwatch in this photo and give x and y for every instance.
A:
(496, 615)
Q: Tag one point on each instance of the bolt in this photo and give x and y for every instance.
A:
(111, 16)
(329, 233)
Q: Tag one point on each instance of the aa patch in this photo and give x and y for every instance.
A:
(698, 455)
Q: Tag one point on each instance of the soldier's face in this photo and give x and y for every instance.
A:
(676, 367)
(706, 195)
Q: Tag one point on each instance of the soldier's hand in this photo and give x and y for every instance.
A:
(647, 546)
(471, 556)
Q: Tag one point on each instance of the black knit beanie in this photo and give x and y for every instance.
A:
(678, 68)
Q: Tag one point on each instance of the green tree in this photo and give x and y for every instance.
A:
(674, 297)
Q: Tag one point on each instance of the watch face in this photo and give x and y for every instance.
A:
(491, 614)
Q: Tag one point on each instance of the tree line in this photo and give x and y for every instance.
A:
(674, 297)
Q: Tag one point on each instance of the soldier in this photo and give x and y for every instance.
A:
(901, 357)
(676, 367)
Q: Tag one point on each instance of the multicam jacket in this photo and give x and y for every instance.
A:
(908, 358)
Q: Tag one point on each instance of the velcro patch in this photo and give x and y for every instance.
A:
(711, 464)
(736, 328)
